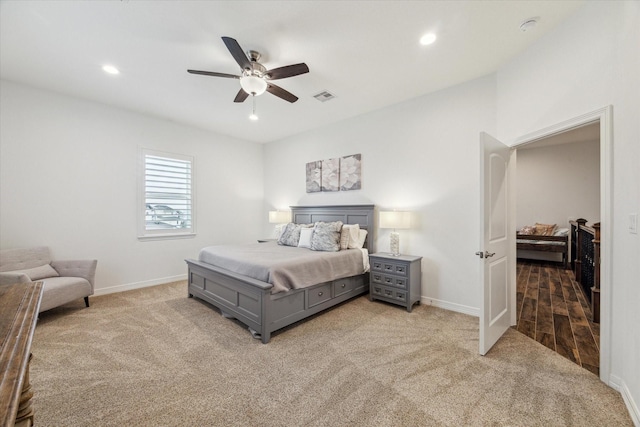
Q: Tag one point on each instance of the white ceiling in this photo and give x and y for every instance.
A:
(364, 52)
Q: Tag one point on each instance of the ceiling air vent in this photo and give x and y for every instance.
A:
(324, 96)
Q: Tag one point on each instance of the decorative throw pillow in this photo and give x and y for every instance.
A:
(359, 242)
(561, 232)
(527, 230)
(349, 233)
(291, 234)
(326, 236)
(305, 237)
(279, 229)
(545, 229)
(41, 272)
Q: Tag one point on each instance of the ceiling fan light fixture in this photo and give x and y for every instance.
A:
(253, 85)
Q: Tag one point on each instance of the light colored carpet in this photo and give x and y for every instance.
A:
(153, 357)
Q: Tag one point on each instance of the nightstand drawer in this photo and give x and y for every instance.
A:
(389, 267)
(383, 279)
(388, 293)
(318, 295)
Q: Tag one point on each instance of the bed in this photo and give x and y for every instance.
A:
(548, 241)
(255, 303)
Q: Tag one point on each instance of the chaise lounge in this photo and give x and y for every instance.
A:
(64, 281)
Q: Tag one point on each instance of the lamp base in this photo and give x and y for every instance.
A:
(394, 243)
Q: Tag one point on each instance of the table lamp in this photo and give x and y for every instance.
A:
(395, 220)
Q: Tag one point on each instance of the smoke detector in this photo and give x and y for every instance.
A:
(529, 24)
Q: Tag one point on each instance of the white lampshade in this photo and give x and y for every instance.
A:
(279, 217)
(395, 219)
(253, 85)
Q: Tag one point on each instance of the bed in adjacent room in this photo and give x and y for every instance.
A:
(543, 239)
(270, 285)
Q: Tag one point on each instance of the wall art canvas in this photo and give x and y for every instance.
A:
(350, 178)
(330, 175)
(314, 174)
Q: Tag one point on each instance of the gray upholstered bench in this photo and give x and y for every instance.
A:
(64, 281)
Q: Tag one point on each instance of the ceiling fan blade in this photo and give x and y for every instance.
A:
(237, 53)
(287, 71)
(241, 96)
(281, 93)
(214, 74)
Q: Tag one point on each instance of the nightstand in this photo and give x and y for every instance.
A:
(395, 279)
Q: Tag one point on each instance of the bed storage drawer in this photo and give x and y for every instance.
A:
(342, 286)
(318, 294)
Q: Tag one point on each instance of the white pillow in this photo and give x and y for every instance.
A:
(349, 235)
(358, 244)
(561, 232)
(305, 238)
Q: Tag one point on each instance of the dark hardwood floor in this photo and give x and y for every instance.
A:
(552, 309)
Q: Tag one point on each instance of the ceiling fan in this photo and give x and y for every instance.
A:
(255, 78)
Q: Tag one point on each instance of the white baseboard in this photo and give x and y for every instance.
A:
(459, 308)
(617, 384)
(138, 285)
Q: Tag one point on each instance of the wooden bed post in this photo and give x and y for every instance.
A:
(595, 290)
(578, 263)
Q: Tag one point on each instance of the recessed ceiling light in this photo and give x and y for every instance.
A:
(110, 69)
(427, 39)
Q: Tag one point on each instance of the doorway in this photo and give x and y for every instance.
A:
(604, 118)
(558, 181)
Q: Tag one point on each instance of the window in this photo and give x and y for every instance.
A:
(166, 189)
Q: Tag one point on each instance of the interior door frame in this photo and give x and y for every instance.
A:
(605, 116)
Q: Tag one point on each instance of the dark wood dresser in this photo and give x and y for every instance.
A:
(19, 306)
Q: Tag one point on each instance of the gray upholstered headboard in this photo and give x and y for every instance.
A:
(362, 215)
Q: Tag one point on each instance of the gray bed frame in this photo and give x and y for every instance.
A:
(250, 301)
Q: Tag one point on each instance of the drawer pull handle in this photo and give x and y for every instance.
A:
(319, 294)
(343, 285)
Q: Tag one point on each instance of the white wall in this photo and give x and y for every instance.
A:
(558, 182)
(68, 181)
(421, 155)
(591, 61)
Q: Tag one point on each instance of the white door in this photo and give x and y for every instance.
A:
(497, 304)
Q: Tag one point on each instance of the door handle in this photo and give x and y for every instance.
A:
(485, 254)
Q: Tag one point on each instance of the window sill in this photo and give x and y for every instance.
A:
(175, 236)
